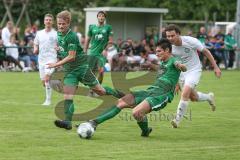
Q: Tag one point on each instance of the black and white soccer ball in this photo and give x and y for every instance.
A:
(85, 130)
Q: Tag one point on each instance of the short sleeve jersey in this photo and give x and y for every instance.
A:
(99, 38)
(46, 42)
(168, 75)
(70, 42)
(187, 52)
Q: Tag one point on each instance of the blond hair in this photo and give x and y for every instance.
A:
(49, 15)
(65, 15)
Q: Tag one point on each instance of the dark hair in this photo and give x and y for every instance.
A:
(102, 12)
(164, 44)
(173, 27)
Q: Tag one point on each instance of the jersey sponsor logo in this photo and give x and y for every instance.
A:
(163, 69)
(61, 49)
(51, 39)
(186, 50)
(104, 31)
(99, 36)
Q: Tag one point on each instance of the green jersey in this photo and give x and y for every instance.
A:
(167, 76)
(230, 42)
(70, 42)
(99, 37)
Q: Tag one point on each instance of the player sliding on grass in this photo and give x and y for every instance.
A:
(75, 66)
(155, 97)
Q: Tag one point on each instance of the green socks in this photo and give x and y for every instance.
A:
(68, 109)
(111, 112)
(114, 92)
(143, 124)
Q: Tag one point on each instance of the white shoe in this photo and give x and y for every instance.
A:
(211, 101)
(174, 123)
(46, 103)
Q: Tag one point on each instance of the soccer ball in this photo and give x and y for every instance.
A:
(85, 130)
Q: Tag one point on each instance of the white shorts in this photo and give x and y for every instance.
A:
(190, 78)
(43, 71)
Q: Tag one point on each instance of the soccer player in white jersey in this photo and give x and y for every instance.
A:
(44, 44)
(186, 47)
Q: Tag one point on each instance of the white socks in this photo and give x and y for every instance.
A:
(48, 91)
(181, 110)
(203, 96)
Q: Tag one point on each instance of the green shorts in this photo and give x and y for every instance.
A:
(96, 61)
(81, 74)
(155, 101)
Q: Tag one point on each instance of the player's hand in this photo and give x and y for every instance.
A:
(51, 65)
(104, 53)
(177, 89)
(57, 48)
(217, 72)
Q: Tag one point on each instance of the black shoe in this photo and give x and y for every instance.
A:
(93, 124)
(146, 134)
(63, 124)
(120, 94)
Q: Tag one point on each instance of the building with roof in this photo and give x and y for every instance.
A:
(128, 22)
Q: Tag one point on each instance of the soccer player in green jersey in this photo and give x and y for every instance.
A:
(153, 98)
(98, 36)
(75, 66)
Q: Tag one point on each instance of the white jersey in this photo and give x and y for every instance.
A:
(46, 42)
(6, 36)
(188, 52)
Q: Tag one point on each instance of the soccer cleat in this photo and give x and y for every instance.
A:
(120, 94)
(174, 123)
(63, 124)
(93, 124)
(146, 134)
(46, 103)
(211, 101)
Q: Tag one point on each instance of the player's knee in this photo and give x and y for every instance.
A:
(68, 96)
(99, 91)
(136, 115)
(121, 103)
(193, 98)
(101, 71)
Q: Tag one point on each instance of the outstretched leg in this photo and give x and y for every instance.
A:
(125, 102)
(139, 113)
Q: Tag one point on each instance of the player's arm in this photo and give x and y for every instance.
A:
(35, 49)
(153, 66)
(110, 39)
(71, 57)
(88, 38)
(36, 45)
(180, 66)
(209, 56)
(86, 44)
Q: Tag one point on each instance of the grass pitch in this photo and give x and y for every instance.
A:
(27, 130)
